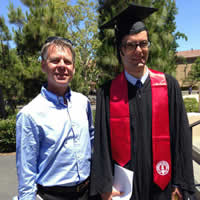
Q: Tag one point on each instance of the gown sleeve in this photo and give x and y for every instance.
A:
(181, 141)
(102, 166)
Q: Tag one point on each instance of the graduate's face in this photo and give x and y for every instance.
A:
(134, 52)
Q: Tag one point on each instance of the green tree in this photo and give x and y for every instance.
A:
(4, 36)
(107, 60)
(49, 18)
(163, 35)
(161, 26)
(83, 29)
(10, 71)
(43, 19)
(194, 74)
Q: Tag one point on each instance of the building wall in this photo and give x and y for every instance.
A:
(184, 64)
(182, 71)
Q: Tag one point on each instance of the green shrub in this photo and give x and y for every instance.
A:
(191, 105)
(7, 134)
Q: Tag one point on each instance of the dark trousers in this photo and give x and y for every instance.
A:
(65, 193)
(68, 196)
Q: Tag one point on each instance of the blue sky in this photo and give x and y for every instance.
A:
(187, 21)
(4, 7)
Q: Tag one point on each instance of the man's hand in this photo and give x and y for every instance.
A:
(109, 195)
(176, 195)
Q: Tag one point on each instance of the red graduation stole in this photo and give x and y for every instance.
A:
(120, 125)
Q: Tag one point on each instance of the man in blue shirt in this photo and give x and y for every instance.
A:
(54, 132)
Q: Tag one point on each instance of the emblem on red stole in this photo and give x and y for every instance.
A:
(162, 168)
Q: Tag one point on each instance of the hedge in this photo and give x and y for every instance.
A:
(7, 134)
(191, 105)
(8, 131)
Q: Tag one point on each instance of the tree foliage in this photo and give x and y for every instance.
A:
(163, 35)
(194, 74)
(106, 59)
(162, 31)
(20, 71)
(10, 71)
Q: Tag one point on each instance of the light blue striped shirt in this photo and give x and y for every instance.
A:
(54, 142)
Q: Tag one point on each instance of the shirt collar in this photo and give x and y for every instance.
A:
(133, 80)
(55, 98)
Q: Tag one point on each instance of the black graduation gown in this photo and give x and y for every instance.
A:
(141, 144)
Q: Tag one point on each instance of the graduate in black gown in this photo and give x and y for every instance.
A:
(133, 49)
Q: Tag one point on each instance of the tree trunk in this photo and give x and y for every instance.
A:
(2, 106)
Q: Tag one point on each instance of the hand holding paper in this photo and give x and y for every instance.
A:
(123, 182)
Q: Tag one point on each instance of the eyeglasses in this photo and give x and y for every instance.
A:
(132, 46)
(52, 38)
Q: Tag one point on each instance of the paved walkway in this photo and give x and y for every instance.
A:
(8, 183)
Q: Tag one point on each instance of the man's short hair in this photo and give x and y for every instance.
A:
(58, 42)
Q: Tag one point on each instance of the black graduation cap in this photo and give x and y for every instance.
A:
(129, 20)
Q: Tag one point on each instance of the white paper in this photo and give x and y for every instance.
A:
(39, 197)
(123, 182)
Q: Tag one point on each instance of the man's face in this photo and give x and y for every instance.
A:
(134, 57)
(59, 67)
